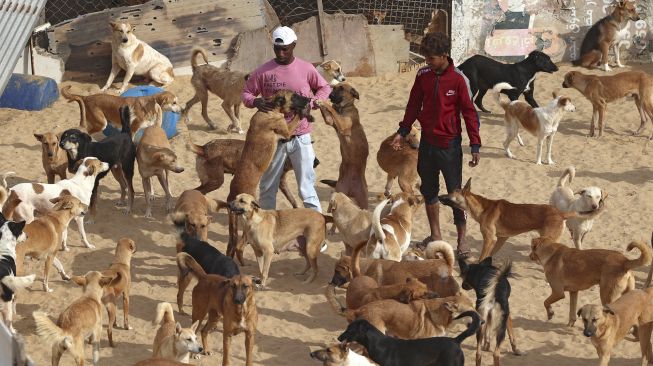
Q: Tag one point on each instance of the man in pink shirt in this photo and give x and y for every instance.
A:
(287, 72)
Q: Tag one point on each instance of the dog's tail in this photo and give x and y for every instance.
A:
(3, 188)
(471, 329)
(644, 259)
(163, 312)
(356, 259)
(17, 283)
(65, 92)
(568, 176)
(9, 203)
(376, 221)
(444, 248)
(650, 271)
(125, 119)
(216, 205)
(52, 334)
(188, 265)
(193, 57)
(330, 294)
(491, 299)
(498, 88)
(178, 219)
(329, 182)
(182, 127)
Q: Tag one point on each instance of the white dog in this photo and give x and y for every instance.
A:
(331, 72)
(589, 201)
(135, 57)
(541, 122)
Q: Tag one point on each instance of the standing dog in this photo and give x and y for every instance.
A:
(484, 73)
(228, 85)
(352, 222)
(120, 269)
(191, 213)
(402, 163)
(53, 157)
(601, 90)
(136, 58)
(171, 340)
(590, 200)
(605, 34)
(11, 233)
(343, 117)
(331, 72)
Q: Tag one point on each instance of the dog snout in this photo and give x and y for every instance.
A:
(240, 297)
(124, 40)
(588, 333)
(595, 206)
(50, 154)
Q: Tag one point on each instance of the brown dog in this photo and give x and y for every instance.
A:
(120, 270)
(343, 117)
(353, 223)
(572, 270)
(192, 213)
(228, 85)
(601, 90)
(402, 163)
(98, 110)
(54, 157)
(232, 299)
(500, 219)
(171, 340)
(607, 325)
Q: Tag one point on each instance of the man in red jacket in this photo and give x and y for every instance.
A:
(439, 96)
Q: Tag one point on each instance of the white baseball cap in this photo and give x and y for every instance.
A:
(283, 36)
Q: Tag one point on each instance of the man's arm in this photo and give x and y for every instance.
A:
(467, 109)
(413, 108)
(321, 86)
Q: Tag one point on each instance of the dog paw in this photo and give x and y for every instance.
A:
(127, 327)
(148, 215)
(65, 249)
(90, 246)
(207, 353)
(47, 289)
(571, 322)
(551, 162)
(549, 315)
(517, 352)
(89, 222)
(65, 277)
(127, 211)
(197, 356)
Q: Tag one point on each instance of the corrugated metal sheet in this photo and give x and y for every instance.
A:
(17, 20)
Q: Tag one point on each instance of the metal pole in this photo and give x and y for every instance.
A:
(320, 28)
(31, 52)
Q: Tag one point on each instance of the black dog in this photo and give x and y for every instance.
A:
(388, 351)
(118, 151)
(492, 293)
(484, 73)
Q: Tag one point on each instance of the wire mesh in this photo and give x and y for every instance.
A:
(56, 11)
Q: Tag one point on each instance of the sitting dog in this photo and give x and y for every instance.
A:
(191, 213)
(230, 299)
(400, 164)
(572, 270)
(353, 223)
(81, 320)
(156, 158)
(120, 269)
(11, 233)
(601, 90)
(268, 229)
(25, 199)
(590, 199)
(484, 73)
(331, 72)
(171, 340)
(541, 122)
(226, 84)
(388, 351)
(118, 151)
(492, 293)
(53, 157)
(608, 324)
(136, 58)
(341, 354)
(99, 110)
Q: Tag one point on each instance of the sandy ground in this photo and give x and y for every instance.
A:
(295, 318)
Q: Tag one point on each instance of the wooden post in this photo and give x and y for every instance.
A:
(320, 28)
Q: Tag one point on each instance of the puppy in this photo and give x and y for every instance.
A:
(589, 200)
(388, 351)
(156, 158)
(226, 84)
(11, 233)
(352, 222)
(572, 270)
(171, 340)
(81, 320)
(53, 157)
(492, 293)
(331, 72)
(607, 325)
(118, 151)
(99, 110)
(136, 58)
(120, 269)
(232, 299)
(46, 233)
(268, 229)
(340, 355)
(191, 213)
(400, 164)
(541, 122)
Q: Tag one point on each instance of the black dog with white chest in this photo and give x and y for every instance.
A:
(119, 151)
(389, 351)
(484, 73)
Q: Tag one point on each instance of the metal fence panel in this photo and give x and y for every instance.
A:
(57, 11)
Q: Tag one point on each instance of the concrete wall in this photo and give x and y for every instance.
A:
(45, 64)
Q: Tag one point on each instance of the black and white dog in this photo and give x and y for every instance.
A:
(11, 233)
(492, 293)
(484, 73)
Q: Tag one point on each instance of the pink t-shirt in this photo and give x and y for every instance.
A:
(299, 76)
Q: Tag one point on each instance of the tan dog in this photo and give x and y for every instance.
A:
(171, 340)
(156, 158)
(342, 354)
(402, 163)
(601, 90)
(607, 325)
(343, 117)
(353, 223)
(54, 158)
(45, 234)
(82, 319)
(331, 72)
(98, 110)
(136, 58)
(572, 270)
(500, 219)
(228, 85)
(232, 299)
(267, 230)
(120, 270)
(192, 213)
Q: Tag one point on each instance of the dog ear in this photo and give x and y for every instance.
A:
(354, 93)
(178, 328)
(487, 261)
(326, 66)
(280, 101)
(113, 25)
(132, 246)
(607, 310)
(468, 185)
(39, 137)
(55, 200)
(464, 267)
(80, 280)
(451, 306)
(554, 94)
(255, 205)
(579, 311)
(581, 192)
(195, 325)
(90, 171)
